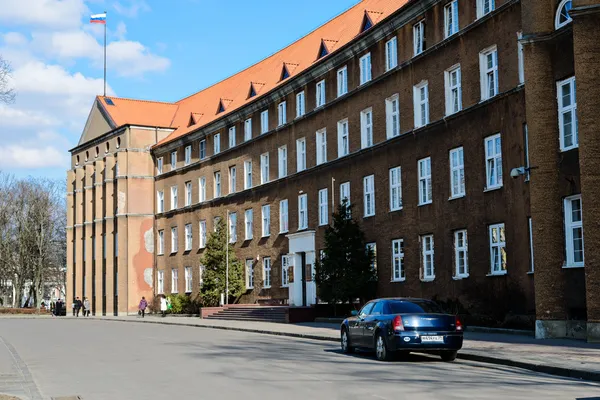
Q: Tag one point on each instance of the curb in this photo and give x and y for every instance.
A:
(463, 355)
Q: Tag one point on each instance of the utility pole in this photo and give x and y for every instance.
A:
(227, 259)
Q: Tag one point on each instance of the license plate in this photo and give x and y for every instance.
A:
(432, 339)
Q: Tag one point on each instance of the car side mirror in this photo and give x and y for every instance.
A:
(354, 313)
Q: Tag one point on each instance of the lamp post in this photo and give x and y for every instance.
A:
(227, 260)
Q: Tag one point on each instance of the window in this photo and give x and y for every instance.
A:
(562, 14)
(267, 272)
(427, 257)
(248, 129)
(264, 168)
(395, 189)
(174, 240)
(201, 271)
(342, 81)
(521, 58)
(488, 65)
(321, 146)
(300, 154)
(369, 195)
(451, 18)
(373, 248)
(188, 237)
(283, 216)
(321, 93)
(398, 260)
(285, 272)
(188, 279)
(161, 242)
(247, 174)
(217, 184)
(174, 280)
(202, 232)
(365, 68)
(264, 121)
(281, 113)
(266, 220)
(497, 250)
(173, 160)
(531, 260)
(425, 195)
(188, 193)
(216, 221)
(302, 212)
(419, 37)
(366, 128)
(248, 224)
(249, 274)
(457, 173)
(453, 90)
(232, 227)
(173, 197)
(567, 115)
(421, 104)
(217, 143)
(485, 7)
(159, 165)
(160, 201)
(232, 179)
(493, 162)
(282, 162)
(392, 116)
(231, 137)
(574, 231)
(202, 149)
(188, 155)
(461, 261)
(391, 54)
(161, 282)
(343, 138)
(202, 189)
(345, 192)
(300, 104)
(323, 208)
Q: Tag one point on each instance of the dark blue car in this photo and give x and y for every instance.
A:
(401, 325)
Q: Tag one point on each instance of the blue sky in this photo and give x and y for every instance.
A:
(157, 49)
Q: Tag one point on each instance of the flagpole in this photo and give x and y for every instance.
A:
(105, 22)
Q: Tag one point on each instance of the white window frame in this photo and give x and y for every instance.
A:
(421, 104)
(486, 73)
(232, 137)
(247, 129)
(217, 143)
(563, 110)
(500, 246)
(267, 273)
(159, 165)
(202, 234)
(493, 163)
(531, 259)
(321, 94)
(451, 25)
(160, 277)
(282, 161)
(391, 54)
(285, 272)
(345, 192)
(425, 184)
(366, 128)
(321, 147)
(188, 193)
(427, 255)
(300, 154)
(398, 273)
(202, 149)
(481, 5)
(342, 81)
(249, 224)
(188, 155)
(557, 23)
(188, 237)
(570, 226)
(173, 160)
(373, 247)
(418, 38)
(461, 247)
(392, 117)
(248, 174)
(303, 211)
(160, 201)
(283, 216)
(202, 189)
(395, 183)
(453, 89)
(161, 243)
(217, 188)
(232, 226)
(369, 195)
(264, 168)
(249, 266)
(188, 279)
(457, 173)
(174, 280)
(300, 104)
(174, 240)
(521, 58)
(323, 207)
(232, 179)
(343, 138)
(264, 122)
(282, 113)
(365, 68)
(174, 198)
(266, 220)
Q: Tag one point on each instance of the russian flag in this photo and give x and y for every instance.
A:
(98, 19)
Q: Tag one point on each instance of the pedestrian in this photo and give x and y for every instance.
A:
(86, 307)
(142, 306)
(163, 305)
(74, 305)
(78, 304)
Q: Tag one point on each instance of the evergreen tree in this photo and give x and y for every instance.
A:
(345, 273)
(214, 261)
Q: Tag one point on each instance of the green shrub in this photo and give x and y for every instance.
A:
(179, 303)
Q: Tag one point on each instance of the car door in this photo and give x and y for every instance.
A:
(370, 322)
(356, 326)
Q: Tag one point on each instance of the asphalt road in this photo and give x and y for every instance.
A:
(104, 360)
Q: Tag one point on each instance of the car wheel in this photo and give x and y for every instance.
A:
(449, 355)
(381, 351)
(345, 342)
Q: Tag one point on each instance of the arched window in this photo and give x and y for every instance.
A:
(562, 14)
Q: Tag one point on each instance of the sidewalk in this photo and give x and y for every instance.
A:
(567, 358)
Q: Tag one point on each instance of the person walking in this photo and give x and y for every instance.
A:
(86, 307)
(163, 305)
(142, 306)
(74, 305)
(77, 307)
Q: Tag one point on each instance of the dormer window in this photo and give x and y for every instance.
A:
(562, 14)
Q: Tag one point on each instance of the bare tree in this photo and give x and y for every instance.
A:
(7, 93)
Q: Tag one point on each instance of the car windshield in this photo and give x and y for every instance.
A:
(414, 307)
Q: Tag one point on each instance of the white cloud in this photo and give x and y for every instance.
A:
(132, 59)
(26, 157)
(46, 13)
(132, 8)
(18, 118)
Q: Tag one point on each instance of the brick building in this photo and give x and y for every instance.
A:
(418, 112)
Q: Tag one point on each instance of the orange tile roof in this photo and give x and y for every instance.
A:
(265, 76)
